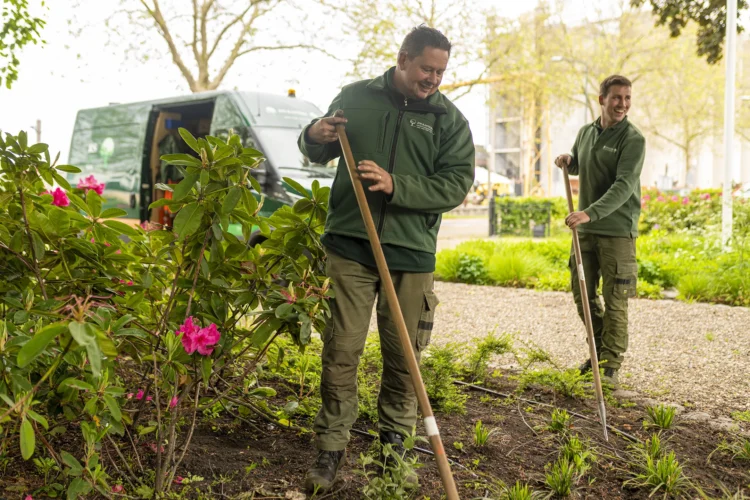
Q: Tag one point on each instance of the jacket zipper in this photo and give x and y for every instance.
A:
(391, 163)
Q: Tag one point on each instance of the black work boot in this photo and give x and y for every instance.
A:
(610, 377)
(321, 476)
(396, 441)
(585, 367)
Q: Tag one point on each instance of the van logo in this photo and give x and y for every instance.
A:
(421, 126)
(611, 150)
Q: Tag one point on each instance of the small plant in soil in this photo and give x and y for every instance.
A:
(388, 480)
(739, 449)
(560, 421)
(578, 453)
(568, 383)
(520, 491)
(661, 475)
(561, 477)
(439, 367)
(741, 416)
(482, 434)
(478, 362)
(660, 416)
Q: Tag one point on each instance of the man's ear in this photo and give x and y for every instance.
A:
(601, 101)
(401, 61)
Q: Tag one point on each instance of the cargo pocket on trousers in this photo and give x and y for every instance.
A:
(424, 330)
(625, 280)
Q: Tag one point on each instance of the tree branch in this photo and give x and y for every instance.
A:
(227, 28)
(158, 18)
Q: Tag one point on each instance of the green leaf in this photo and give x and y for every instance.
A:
(181, 159)
(39, 248)
(69, 168)
(263, 392)
(206, 366)
(163, 187)
(231, 199)
(39, 419)
(111, 213)
(297, 187)
(60, 219)
(189, 139)
(79, 203)
(249, 201)
(38, 148)
(205, 177)
(114, 408)
(188, 220)
(84, 335)
(62, 181)
(94, 203)
(161, 202)
(256, 185)
(71, 462)
(28, 440)
(76, 384)
(77, 487)
(284, 310)
(185, 186)
(121, 227)
(38, 343)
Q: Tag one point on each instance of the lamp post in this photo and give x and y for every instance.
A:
(729, 88)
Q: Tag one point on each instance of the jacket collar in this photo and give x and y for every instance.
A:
(621, 124)
(433, 104)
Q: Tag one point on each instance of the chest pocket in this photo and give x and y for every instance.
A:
(419, 138)
(367, 129)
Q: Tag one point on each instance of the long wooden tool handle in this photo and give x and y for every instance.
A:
(587, 312)
(398, 318)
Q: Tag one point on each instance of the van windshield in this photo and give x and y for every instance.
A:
(279, 145)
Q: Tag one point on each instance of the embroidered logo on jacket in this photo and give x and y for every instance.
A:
(421, 126)
(611, 150)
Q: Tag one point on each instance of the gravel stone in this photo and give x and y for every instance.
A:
(697, 355)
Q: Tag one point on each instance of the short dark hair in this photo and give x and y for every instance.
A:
(423, 36)
(611, 81)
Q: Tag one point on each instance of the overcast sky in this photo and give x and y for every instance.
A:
(69, 74)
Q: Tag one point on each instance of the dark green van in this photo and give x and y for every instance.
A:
(121, 144)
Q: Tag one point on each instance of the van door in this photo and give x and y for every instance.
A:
(108, 143)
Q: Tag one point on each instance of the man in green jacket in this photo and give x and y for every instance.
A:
(608, 157)
(415, 154)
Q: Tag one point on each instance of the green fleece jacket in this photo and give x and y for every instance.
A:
(426, 146)
(608, 163)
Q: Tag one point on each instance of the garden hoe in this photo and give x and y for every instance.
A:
(587, 312)
(398, 318)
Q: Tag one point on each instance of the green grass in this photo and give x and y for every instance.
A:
(693, 263)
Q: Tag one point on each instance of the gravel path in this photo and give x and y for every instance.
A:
(697, 355)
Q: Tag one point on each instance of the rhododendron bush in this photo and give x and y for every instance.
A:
(122, 334)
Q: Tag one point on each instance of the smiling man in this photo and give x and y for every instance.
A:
(608, 157)
(415, 153)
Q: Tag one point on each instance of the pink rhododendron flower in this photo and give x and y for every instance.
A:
(646, 197)
(118, 488)
(685, 200)
(706, 196)
(139, 394)
(660, 198)
(91, 183)
(675, 198)
(173, 402)
(178, 480)
(130, 395)
(28, 497)
(59, 198)
(149, 398)
(194, 338)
